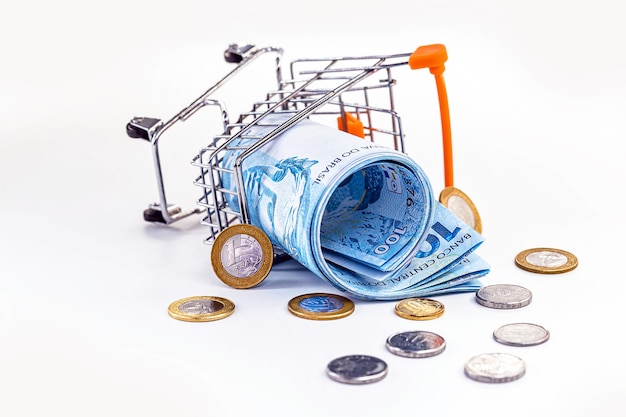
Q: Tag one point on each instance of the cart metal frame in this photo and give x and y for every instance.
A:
(317, 88)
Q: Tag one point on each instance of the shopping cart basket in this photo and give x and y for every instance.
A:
(342, 91)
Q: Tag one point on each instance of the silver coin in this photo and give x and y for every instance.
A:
(503, 296)
(416, 344)
(321, 306)
(495, 367)
(357, 369)
(521, 334)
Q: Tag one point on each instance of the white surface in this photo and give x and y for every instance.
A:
(537, 98)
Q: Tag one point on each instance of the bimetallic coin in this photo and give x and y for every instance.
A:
(546, 260)
(242, 256)
(521, 334)
(419, 309)
(201, 308)
(416, 344)
(357, 369)
(495, 367)
(503, 296)
(321, 306)
(461, 205)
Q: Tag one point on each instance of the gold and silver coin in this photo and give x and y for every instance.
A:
(242, 256)
(416, 344)
(521, 334)
(357, 369)
(546, 260)
(495, 367)
(321, 306)
(461, 205)
(201, 308)
(503, 296)
(419, 309)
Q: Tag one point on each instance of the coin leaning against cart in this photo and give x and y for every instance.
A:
(242, 256)
(419, 309)
(321, 306)
(460, 204)
(546, 260)
(201, 308)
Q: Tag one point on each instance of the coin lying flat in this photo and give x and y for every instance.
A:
(242, 256)
(546, 260)
(503, 296)
(416, 344)
(419, 308)
(201, 308)
(495, 367)
(357, 369)
(521, 334)
(461, 205)
(321, 306)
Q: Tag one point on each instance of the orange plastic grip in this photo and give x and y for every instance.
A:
(354, 125)
(429, 56)
(433, 57)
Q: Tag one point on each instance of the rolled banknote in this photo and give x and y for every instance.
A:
(357, 214)
(446, 261)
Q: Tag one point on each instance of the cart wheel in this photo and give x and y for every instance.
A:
(235, 53)
(153, 215)
(242, 256)
(136, 133)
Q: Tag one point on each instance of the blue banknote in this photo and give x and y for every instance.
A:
(373, 215)
(449, 239)
(470, 267)
(357, 214)
(456, 279)
(445, 259)
(467, 286)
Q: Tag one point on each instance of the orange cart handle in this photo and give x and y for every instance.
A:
(434, 57)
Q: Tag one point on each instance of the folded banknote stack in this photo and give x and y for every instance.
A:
(357, 214)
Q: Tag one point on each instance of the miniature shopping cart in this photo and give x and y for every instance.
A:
(355, 94)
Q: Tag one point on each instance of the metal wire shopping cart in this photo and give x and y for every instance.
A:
(340, 91)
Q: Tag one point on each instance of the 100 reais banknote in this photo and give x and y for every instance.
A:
(357, 214)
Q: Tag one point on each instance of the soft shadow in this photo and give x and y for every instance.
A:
(173, 230)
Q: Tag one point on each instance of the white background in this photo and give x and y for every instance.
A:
(537, 98)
